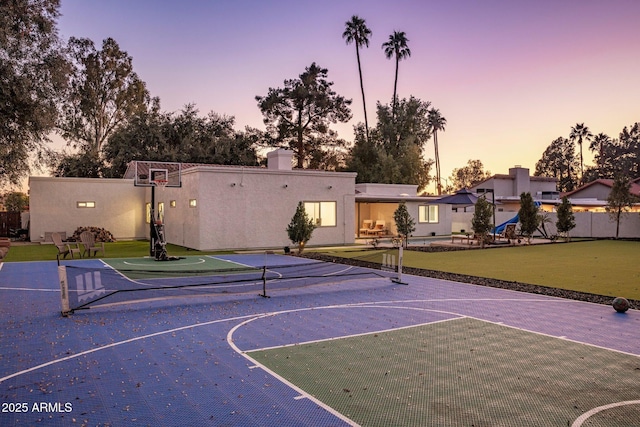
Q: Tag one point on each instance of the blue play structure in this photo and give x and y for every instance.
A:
(500, 228)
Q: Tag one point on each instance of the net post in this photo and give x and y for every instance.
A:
(264, 282)
(398, 280)
(64, 290)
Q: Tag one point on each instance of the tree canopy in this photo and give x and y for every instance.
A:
(396, 47)
(620, 200)
(182, 137)
(468, 176)
(559, 161)
(33, 77)
(437, 123)
(614, 157)
(298, 116)
(357, 32)
(393, 154)
(16, 201)
(105, 94)
(580, 132)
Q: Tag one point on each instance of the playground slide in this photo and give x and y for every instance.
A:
(500, 228)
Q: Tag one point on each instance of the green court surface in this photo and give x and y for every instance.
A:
(147, 267)
(462, 372)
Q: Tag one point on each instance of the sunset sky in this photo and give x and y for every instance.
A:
(509, 76)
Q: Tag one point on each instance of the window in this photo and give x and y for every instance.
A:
(148, 212)
(193, 203)
(323, 214)
(161, 209)
(428, 213)
(86, 204)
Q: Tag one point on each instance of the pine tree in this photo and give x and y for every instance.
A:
(405, 224)
(620, 200)
(566, 220)
(300, 228)
(528, 214)
(482, 219)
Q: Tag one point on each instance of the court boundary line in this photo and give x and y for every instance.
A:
(584, 417)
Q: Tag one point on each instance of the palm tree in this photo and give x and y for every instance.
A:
(396, 47)
(578, 133)
(436, 123)
(598, 144)
(357, 31)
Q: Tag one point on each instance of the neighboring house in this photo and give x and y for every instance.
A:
(217, 207)
(506, 189)
(376, 203)
(593, 195)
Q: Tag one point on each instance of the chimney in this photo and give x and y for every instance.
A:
(522, 181)
(280, 160)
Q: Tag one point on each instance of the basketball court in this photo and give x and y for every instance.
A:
(333, 345)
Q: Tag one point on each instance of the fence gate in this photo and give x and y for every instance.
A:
(9, 221)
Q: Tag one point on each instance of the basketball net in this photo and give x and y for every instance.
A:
(162, 183)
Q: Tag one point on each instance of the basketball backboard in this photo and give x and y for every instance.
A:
(146, 173)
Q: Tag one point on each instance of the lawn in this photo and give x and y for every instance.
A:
(604, 267)
(124, 249)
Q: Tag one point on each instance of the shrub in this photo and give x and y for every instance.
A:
(300, 228)
(100, 234)
(482, 219)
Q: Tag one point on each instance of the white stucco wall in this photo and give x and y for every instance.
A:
(239, 208)
(588, 224)
(53, 206)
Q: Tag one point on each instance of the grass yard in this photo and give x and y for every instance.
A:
(604, 267)
(124, 249)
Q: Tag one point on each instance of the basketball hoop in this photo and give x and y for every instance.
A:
(162, 183)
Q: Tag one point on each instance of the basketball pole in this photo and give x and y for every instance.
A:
(152, 229)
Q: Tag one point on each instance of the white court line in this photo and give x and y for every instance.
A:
(28, 289)
(115, 344)
(582, 418)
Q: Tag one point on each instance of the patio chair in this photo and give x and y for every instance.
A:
(90, 246)
(380, 228)
(510, 234)
(367, 225)
(65, 248)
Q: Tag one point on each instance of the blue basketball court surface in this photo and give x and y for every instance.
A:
(193, 358)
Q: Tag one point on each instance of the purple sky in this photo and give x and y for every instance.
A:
(509, 76)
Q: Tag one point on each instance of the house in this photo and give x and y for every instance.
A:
(64, 204)
(506, 189)
(216, 207)
(235, 207)
(593, 195)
